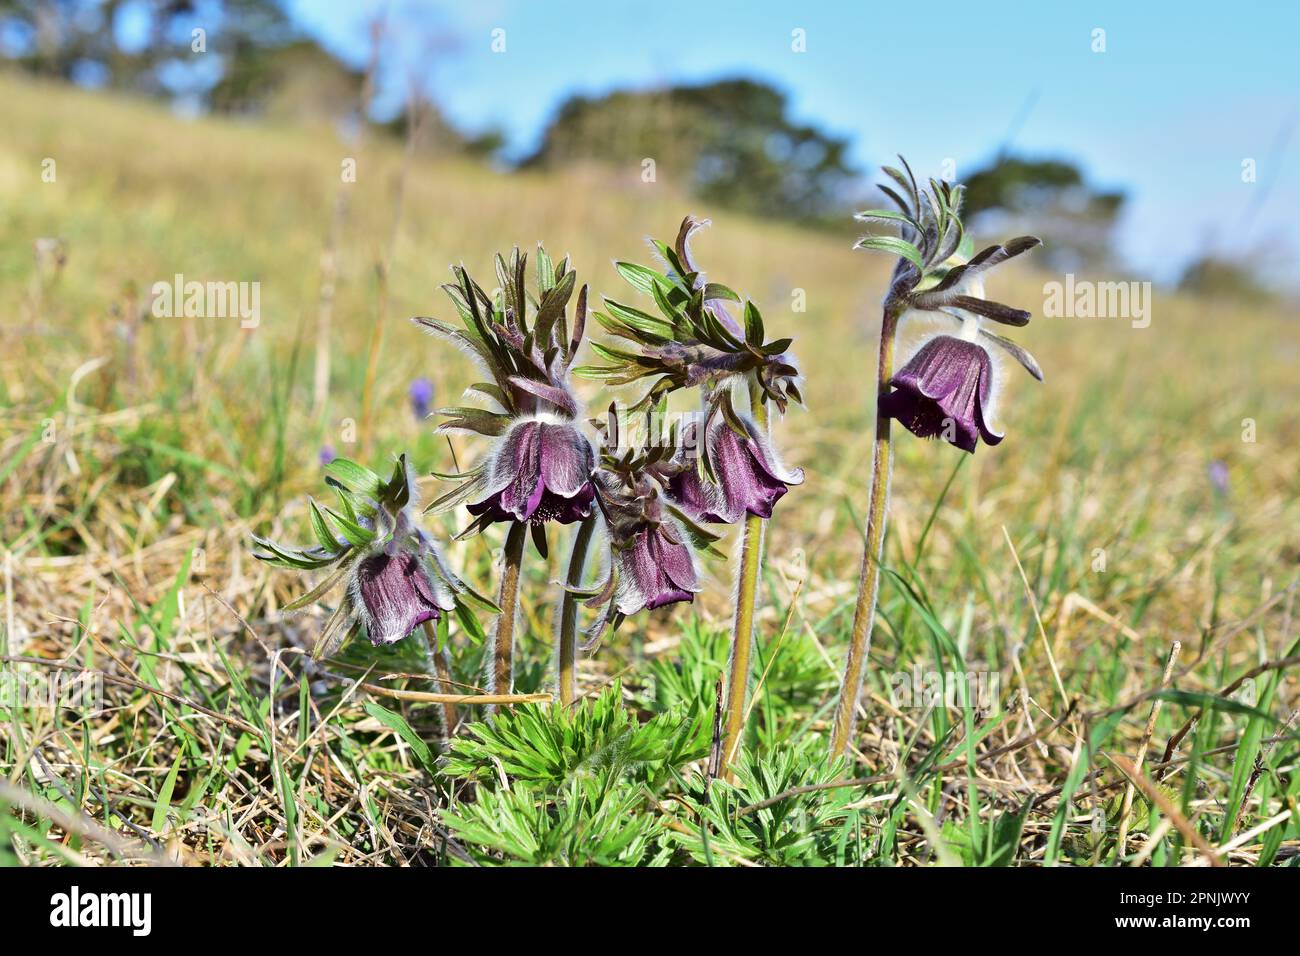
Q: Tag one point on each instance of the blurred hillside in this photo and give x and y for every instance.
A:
(733, 142)
(141, 195)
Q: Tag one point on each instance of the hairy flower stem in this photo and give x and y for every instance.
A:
(566, 628)
(864, 613)
(742, 632)
(442, 667)
(503, 652)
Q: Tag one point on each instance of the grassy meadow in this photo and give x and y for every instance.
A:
(138, 455)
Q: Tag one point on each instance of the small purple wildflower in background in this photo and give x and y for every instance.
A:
(327, 454)
(1218, 471)
(421, 398)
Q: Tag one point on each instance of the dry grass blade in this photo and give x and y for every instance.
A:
(1168, 808)
(1126, 805)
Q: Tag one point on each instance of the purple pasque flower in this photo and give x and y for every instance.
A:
(421, 394)
(657, 567)
(392, 571)
(945, 391)
(391, 589)
(948, 386)
(327, 454)
(540, 466)
(540, 471)
(394, 594)
(750, 478)
(654, 556)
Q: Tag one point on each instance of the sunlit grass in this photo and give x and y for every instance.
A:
(137, 455)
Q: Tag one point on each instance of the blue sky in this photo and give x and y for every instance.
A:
(1183, 93)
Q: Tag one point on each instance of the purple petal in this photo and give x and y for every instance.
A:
(699, 499)
(676, 562)
(943, 392)
(656, 571)
(760, 446)
(566, 459)
(519, 459)
(746, 483)
(749, 479)
(396, 596)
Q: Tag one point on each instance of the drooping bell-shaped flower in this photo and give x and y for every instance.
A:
(394, 594)
(657, 566)
(750, 478)
(540, 465)
(946, 391)
(651, 549)
(654, 545)
(393, 573)
(540, 471)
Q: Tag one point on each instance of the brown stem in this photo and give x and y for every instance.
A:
(742, 633)
(566, 630)
(503, 654)
(442, 667)
(869, 575)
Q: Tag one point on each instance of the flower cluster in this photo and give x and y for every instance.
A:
(948, 388)
(720, 466)
(726, 469)
(652, 541)
(541, 467)
(545, 464)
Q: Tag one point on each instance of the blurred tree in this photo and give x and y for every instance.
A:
(297, 79)
(1048, 198)
(249, 58)
(730, 142)
(1217, 276)
(435, 134)
(147, 46)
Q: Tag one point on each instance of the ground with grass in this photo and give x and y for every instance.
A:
(1146, 494)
